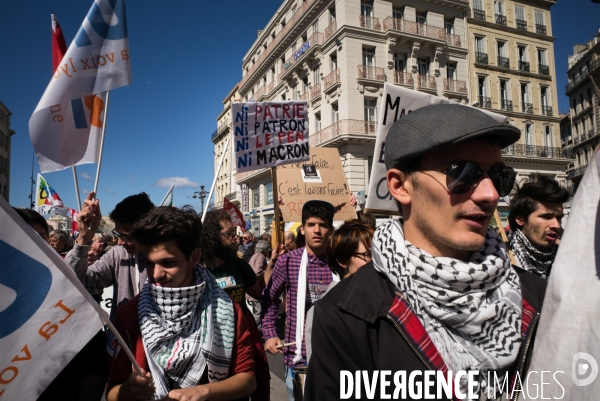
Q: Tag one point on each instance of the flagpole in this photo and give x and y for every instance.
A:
(168, 192)
(77, 187)
(212, 188)
(113, 329)
(32, 181)
(102, 141)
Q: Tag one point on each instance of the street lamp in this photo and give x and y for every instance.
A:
(202, 194)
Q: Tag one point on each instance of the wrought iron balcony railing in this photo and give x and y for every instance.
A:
(577, 171)
(540, 29)
(506, 105)
(426, 82)
(370, 23)
(485, 102)
(478, 14)
(330, 30)
(453, 40)
(503, 62)
(547, 111)
(481, 57)
(374, 73)
(537, 151)
(595, 63)
(403, 78)
(527, 108)
(315, 91)
(332, 79)
(544, 69)
(434, 32)
(344, 127)
(521, 24)
(453, 85)
(524, 66)
(501, 19)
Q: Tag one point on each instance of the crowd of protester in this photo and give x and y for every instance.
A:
(198, 303)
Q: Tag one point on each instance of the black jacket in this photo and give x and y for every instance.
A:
(353, 331)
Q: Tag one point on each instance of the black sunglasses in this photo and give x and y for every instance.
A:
(124, 237)
(462, 177)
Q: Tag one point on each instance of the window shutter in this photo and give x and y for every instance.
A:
(539, 17)
(520, 13)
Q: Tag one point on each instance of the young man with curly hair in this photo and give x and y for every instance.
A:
(317, 225)
(188, 336)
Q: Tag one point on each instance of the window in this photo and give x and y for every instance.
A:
(545, 99)
(423, 66)
(398, 12)
(256, 224)
(370, 108)
(331, 15)
(369, 57)
(335, 113)
(503, 60)
(520, 17)
(366, 8)
(315, 27)
(478, 11)
(480, 52)
(543, 67)
(449, 26)
(589, 96)
(451, 70)
(269, 193)
(523, 59)
(548, 137)
(540, 26)
(526, 106)
(505, 103)
(333, 62)
(269, 222)
(317, 122)
(255, 196)
(421, 18)
(399, 64)
(482, 87)
(499, 12)
(317, 75)
(528, 129)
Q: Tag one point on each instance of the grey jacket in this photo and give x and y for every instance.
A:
(117, 267)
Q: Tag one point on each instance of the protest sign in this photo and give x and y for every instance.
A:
(396, 103)
(237, 218)
(46, 315)
(269, 134)
(321, 177)
(566, 344)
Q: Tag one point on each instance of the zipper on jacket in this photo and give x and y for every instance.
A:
(522, 362)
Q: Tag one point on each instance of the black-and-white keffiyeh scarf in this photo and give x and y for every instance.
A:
(186, 330)
(530, 258)
(471, 310)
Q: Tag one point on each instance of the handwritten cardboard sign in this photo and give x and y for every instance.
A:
(269, 134)
(295, 189)
(397, 102)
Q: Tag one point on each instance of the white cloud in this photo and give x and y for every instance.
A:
(131, 179)
(178, 182)
(86, 176)
(110, 191)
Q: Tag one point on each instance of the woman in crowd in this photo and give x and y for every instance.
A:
(59, 240)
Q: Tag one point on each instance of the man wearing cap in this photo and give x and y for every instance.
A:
(317, 224)
(440, 293)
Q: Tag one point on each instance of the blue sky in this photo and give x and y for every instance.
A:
(185, 57)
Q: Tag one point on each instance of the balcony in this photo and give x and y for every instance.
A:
(452, 85)
(481, 58)
(506, 105)
(485, 102)
(332, 79)
(259, 92)
(521, 24)
(503, 62)
(344, 127)
(330, 30)
(543, 69)
(402, 25)
(315, 91)
(501, 19)
(537, 151)
(453, 40)
(540, 29)
(547, 111)
(576, 172)
(370, 23)
(479, 14)
(526, 108)
(372, 73)
(303, 96)
(595, 63)
(524, 66)
(403, 78)
(222, 128)
(426, 82)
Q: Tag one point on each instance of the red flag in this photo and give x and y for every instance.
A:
(59, 46)
(237, 218)
(74, 226)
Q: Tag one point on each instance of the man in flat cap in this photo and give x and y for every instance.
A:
(440, 293)
(306, 276)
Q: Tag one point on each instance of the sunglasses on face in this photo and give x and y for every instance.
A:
(123, 237)
(462, 177)
(231, 234)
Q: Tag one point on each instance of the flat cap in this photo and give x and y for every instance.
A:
(437, 126)
(319, 203)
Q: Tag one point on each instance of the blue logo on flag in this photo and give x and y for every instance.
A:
(29, 279)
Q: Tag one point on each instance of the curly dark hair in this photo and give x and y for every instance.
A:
(131, 209)
(166, 223)
(345, 241)
(541, 189)
(211, 243)
(318, 212)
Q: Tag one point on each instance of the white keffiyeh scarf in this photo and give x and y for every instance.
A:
(530, 258)
(186, 330)
(471, 310)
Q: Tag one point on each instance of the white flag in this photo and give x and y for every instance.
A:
(66, 124)
(168, 199)
(46, 315)
(396, 103)
(567, 342)
(47, 200)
